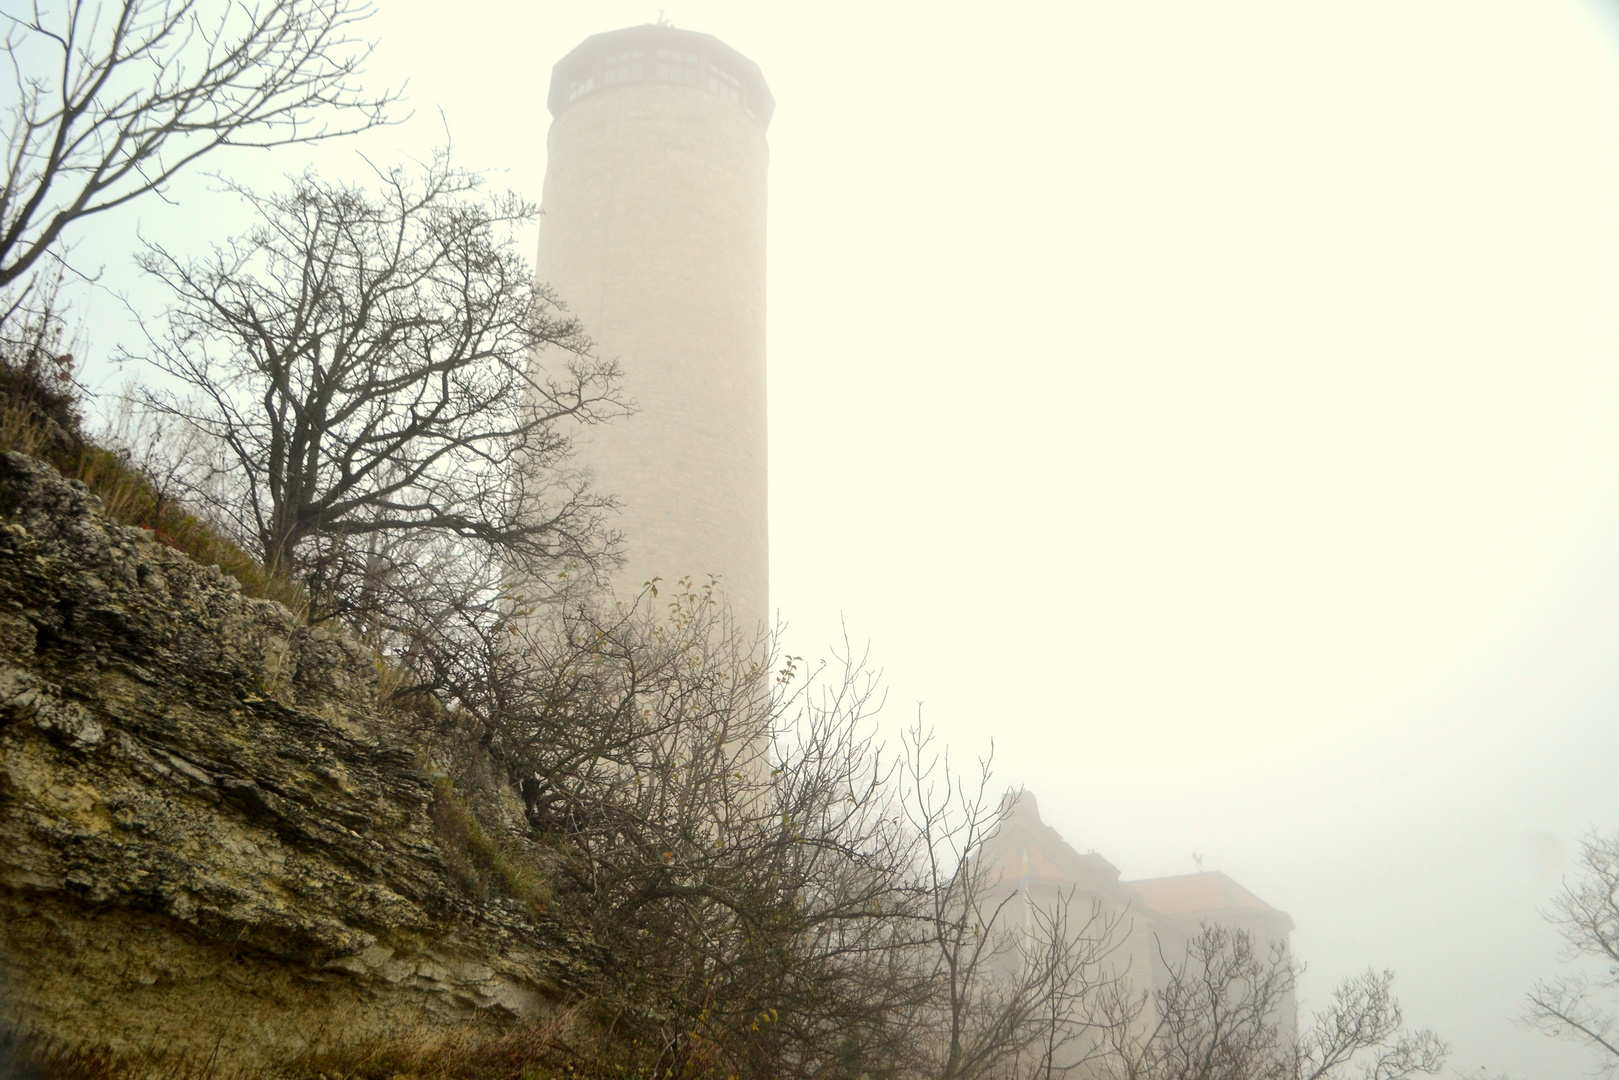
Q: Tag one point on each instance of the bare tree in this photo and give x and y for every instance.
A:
(1584, 1007)
(365, 364)
(1362, 1028)
(1222, 1015)
(1219, 1015)
(112, 102)
(731, 840)
(1072, 971)
(775, 895)
(1012, 981)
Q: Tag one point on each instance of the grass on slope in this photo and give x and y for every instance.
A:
(41, 421)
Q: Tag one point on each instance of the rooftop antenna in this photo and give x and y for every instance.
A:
(663, 17)
(1197, 859)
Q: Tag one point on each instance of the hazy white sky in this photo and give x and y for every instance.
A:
(1211, 403)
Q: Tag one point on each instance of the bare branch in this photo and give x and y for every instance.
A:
(1581, 1007)
(108, 109)
(380, 368)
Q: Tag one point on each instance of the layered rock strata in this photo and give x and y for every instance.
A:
(208, 836)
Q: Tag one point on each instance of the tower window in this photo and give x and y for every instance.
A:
(724, 84)
(622, 67)
(676, 73)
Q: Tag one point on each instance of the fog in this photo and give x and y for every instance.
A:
(1212, 405)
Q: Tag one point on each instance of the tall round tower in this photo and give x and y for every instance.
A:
(654, 235)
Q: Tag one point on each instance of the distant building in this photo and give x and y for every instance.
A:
(653, 234)
(1031, 863)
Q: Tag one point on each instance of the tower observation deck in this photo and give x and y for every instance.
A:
(654, 235)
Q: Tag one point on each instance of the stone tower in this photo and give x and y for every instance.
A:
(654, 235)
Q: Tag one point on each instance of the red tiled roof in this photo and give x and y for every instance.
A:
(1051, 859)
(1188, 894)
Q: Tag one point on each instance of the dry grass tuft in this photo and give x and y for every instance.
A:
(132, 499)
(484, 865)
(567, 1046)
(29, 1057)
(563, 1047)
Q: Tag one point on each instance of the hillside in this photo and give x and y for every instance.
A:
(214, 840)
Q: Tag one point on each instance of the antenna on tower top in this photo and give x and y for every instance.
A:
(663, 18)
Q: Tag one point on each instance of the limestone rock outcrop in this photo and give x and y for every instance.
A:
(208, 835)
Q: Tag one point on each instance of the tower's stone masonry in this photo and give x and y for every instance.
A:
(654, 235)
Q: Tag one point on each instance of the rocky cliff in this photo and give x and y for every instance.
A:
(208, 834)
